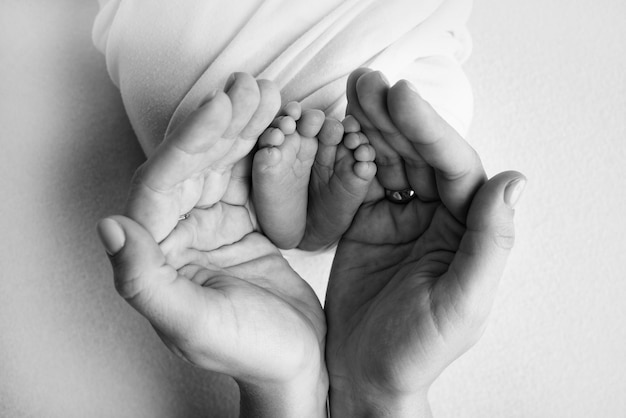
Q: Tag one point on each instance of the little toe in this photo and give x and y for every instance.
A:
(311, 122)
(293, 109)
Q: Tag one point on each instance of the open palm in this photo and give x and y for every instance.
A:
(409, 291)
(219, 294)
(391, 305)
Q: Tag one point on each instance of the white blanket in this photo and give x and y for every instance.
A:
(165, 55)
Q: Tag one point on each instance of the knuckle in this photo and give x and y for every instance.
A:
(275, 261)
(129, 286)
(504, 236)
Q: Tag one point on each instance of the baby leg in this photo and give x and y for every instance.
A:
(340, 181)
(281, 171)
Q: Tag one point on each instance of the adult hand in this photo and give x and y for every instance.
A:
(218, 294)
(412, 283)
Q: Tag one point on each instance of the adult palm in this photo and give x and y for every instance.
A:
(219, 294)
(412, 283)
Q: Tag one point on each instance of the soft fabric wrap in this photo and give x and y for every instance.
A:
(166, 56)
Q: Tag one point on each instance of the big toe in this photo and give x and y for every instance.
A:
(264, 159)
(331, 132)
(311, 123)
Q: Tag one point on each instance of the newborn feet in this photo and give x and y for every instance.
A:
(307, 182)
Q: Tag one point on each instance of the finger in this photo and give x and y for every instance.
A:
(149, 285)
(245, 97)
(372, 89)
(471, 281)
(269, 105)
(205, 230)
(191, 147)
(390, 172)
(458, 169)
(155, 198)
(238, 188)
(244, 94)
(252, 247)
(255, 104)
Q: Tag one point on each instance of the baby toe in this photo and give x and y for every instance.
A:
(271, 137)
(365, 170)
(365, 153)
(266, 158)
(354, 140)
(351, 124)
(293, 109)
(311, 123)
(286, 124)
(331, 133)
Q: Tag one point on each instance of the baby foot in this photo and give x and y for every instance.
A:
(307, 182)
(192, 167)
(340, 181)
(281, 172)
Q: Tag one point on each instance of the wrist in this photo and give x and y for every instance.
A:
(303, 396)
(358, 401)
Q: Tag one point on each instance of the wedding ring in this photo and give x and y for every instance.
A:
(400, 196)
(183, 217)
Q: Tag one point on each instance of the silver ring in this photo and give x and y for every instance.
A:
(400, 196)
(183, 217)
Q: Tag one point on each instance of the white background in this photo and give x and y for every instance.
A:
(550, 86)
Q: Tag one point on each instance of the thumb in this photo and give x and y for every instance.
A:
(144, 279)
(486, 244)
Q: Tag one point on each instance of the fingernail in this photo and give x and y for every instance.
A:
(230, 81)
(112, 235)
(410, 86)
(513, 191)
